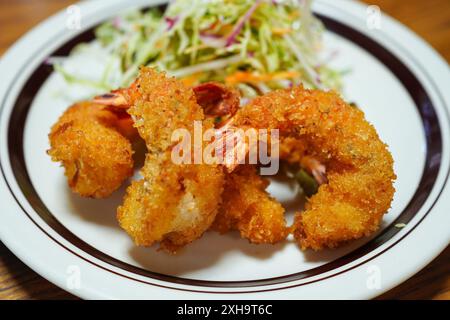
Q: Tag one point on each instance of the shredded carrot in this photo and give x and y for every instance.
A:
(191, 80)
(159, 44)
(225, 30)
(250, 77)
(281, 31)
(294, 14)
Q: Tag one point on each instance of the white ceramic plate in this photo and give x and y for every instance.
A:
(396, 78)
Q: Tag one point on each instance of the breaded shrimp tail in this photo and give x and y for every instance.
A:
(174, 203)
(359, 166)
(97, 157)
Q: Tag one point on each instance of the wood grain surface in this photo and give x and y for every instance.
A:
(429, 19)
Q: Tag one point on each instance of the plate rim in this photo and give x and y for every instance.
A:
(39, 28)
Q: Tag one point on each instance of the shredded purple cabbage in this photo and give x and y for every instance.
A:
(240, 24)
(171, 22)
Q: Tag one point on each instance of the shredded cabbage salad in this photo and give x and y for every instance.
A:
(255, 45)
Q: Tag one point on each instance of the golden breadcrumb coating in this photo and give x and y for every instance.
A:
(174, 203)
(292, 150)
(248, 208)
(96, 157)
(174, 206)
(359, 166)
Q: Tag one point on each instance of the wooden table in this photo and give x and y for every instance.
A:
(430, 19)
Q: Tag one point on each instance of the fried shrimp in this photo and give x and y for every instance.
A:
(89, 141)
(93, 139)
(173, 204)
(248, 208)
(360, 175)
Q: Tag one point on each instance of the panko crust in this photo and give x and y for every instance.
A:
(174, 204)
(248, 208)
(95, 156)
(151, 209)
(359, 166)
